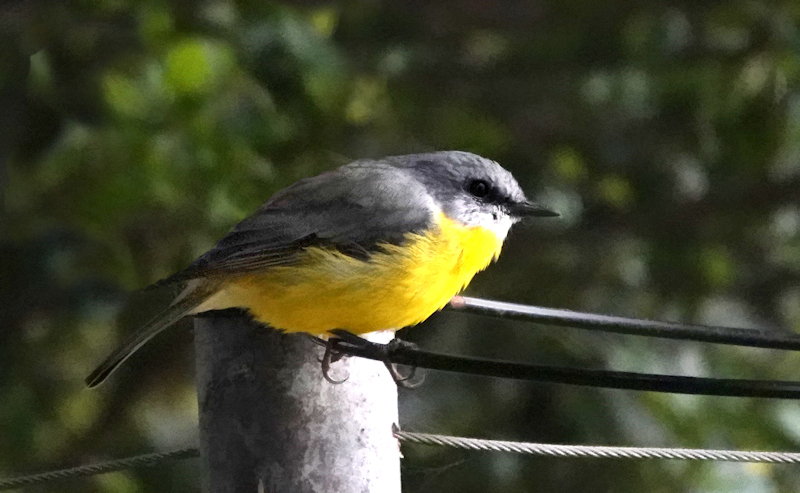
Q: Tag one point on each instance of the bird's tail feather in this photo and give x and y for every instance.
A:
(180, 308)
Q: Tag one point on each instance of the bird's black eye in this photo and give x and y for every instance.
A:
(479, 188)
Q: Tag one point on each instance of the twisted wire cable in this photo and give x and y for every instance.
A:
(539, 449)
(99, 468)
(583, 451)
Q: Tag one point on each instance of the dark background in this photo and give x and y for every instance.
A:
(667, 134)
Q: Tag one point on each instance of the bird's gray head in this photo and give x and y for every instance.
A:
(472, 190)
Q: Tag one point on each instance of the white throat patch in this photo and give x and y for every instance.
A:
(498, 223)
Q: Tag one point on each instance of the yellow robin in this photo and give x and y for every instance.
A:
(373, 245)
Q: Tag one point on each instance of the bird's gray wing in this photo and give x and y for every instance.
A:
(353, 209)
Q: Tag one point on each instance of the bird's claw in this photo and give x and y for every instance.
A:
(330, 356)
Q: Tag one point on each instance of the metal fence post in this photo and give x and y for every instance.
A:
(269, 422)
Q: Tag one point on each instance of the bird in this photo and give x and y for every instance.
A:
(377, 244)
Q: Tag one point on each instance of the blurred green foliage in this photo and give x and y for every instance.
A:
(133, 134)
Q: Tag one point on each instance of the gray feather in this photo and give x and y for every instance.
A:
(177, 310)
(353, 209)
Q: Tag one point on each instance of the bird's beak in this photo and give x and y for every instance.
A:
(529, 209)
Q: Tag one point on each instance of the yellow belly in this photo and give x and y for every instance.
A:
(395, 288)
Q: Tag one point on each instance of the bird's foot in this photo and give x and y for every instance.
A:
(405, 381)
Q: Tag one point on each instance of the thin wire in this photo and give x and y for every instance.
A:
(99, 468)
(582, 451)
(770, 339)
(539, 449)
(400, 354)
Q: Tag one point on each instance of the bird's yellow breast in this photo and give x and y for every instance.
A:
(396, 287)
